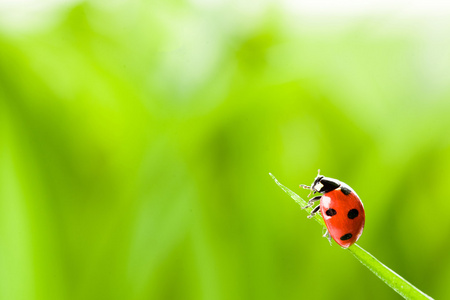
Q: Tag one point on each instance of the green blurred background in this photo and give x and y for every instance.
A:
(136, 140)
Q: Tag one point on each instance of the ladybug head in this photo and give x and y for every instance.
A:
(322, 185)
(317, 185)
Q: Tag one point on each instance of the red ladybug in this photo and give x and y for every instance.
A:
(340, 207)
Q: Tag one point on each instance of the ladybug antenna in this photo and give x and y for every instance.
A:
(310, 188)
(307, 188)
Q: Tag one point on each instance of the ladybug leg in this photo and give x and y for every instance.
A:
(314, 211)
(328, 236)
(308, 188)
(311, 201)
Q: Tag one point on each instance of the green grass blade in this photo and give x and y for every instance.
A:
(395, 281)
(392, 279)
(299, 200)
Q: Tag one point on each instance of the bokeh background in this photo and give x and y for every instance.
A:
(136, 138)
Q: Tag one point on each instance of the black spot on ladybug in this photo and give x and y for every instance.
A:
(345, 190)
(330, 212)
(353, 213)
(346, 237)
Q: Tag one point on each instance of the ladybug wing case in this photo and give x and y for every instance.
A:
(344, 215)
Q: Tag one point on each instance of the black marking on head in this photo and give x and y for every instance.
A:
(346, 237)
(330, 212)
(345, 190)
(329, 184)
(353, 213)
(318, 178)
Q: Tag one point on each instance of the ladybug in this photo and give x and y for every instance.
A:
(340, 207)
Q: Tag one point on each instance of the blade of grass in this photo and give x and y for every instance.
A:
(392, 279)
(299, 200)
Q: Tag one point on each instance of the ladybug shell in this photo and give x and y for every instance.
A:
(343, 214)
